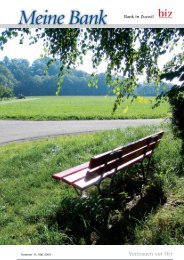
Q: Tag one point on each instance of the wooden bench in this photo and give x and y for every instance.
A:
(107, 164)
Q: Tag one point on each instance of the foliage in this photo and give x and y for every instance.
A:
(166, 226)
(174, 70)
(5, 92)
(81, 108)
(176, 99)
(7, 79)
(19, 68)
(129, 52)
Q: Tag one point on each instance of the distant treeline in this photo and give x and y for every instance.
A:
(33, 80)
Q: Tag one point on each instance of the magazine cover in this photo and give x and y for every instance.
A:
(92, 130)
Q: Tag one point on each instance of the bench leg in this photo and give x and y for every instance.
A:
(147, 167)
(79, 192)
(143, 171)
(111, 184)
(149, 161)
(98, 187)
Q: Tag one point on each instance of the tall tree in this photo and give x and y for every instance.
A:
(7, 79)
(20, 70)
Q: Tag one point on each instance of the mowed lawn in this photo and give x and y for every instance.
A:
(66, 108)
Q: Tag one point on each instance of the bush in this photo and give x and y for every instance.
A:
(176, 100)
(5, 92)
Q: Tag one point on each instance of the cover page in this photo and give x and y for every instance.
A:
(91, 130)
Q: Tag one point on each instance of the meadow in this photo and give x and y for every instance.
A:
(67, 108)
(35, 209)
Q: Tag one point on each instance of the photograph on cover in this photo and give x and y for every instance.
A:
(92, 136)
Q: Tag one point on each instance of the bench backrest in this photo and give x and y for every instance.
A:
(123, 156)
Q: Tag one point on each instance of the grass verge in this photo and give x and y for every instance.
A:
(34, 209)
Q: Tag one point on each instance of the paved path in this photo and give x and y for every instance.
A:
(13, 130)
(17, 100)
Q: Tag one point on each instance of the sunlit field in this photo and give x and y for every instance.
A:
(66, 108)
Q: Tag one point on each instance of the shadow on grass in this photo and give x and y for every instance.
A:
(103, 219)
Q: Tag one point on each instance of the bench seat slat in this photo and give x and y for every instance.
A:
(83, 184)
(61, 175)
(75, 177)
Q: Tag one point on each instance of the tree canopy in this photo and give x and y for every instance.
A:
(6, 77)
(31, 80)
(128, 52)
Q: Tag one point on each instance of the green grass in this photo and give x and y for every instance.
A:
(65, 108)
(34, 209)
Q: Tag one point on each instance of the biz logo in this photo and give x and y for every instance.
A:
(164, 14)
